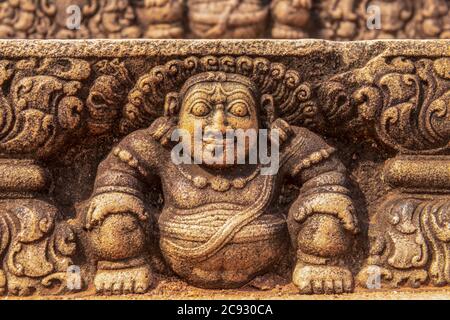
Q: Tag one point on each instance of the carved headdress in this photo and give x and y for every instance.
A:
(290, 95)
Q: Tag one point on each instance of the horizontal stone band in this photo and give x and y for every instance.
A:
(418, 172)
(23, 176)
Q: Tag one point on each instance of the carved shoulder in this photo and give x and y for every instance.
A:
(139, 151)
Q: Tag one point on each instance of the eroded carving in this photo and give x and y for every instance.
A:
(281, 19)
(410, 234)
(406, 99)
(35, 246)
(216, 221)
(227, 18)
(213, 231)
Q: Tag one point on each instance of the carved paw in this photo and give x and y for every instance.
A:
(322, 279)
(123, 281)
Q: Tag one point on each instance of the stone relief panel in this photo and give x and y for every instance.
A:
(89, 183)
(228, 19)
(406, 98)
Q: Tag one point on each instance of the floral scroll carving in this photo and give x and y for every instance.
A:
(404, 98)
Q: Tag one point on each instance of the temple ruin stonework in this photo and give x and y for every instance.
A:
(93, 202)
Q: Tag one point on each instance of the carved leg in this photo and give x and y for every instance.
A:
(320, 240)
(119, 243)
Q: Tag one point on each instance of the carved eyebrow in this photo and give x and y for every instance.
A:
(237, 91)
(201, 90)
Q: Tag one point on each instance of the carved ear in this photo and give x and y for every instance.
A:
(268, 109)
(172, 104)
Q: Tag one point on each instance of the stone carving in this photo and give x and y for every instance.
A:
(227, 18)
(290, 18)
(406, 100)
(406, 97)
(74, 112)
(433, 19)
(114, 19)
(394, 18)
(35, 248)
(410, 234)
(339, 19)
(281, 19)
(211, 218)
(161, 19)
(43, 110)
(107, 95)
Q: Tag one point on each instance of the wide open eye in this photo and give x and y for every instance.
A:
(238, 109)
(200, 109)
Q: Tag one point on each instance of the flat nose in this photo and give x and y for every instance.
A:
(219, 121)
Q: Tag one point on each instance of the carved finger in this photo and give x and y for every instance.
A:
(100, 287)
(347, 218)
(89, 215)
(303, 212)
(98, 216)
(107, 288)
(140, 289)
(335, 204)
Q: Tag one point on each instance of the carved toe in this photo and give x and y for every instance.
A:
(321, 279)
(123, 281)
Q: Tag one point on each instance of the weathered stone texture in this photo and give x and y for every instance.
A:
(88, 183)
(227, 19)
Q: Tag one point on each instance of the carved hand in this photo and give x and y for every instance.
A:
(105, 204)
(335, 204)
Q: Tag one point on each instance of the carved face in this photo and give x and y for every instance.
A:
(218, 109)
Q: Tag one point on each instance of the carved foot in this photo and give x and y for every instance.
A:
(321, 279)
(2, 282)
(136, 279)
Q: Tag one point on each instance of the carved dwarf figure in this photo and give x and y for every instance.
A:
(161, 19)
(434, 19)
(24, 19)
(65, 18)
(394, 15)
(114, 19)
(233, 19)
(290, 18)
(339, 19)
(220, 225)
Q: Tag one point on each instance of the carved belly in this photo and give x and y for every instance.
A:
(249, 251)
(199, 225)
